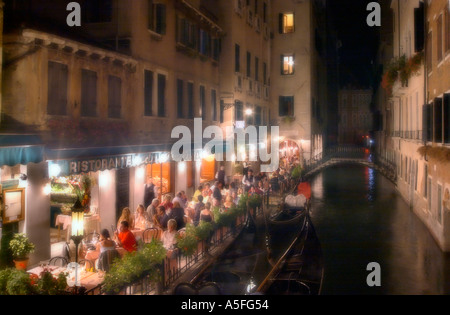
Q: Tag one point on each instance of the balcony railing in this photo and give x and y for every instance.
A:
(408, 134)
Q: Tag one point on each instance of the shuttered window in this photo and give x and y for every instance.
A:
(148, 93)
(88, 93)
(161, 95)
(180, 98)
(214, 104)
(203, 102)
(114, 96)
(190, 95)
(57, 88)
(157, 17)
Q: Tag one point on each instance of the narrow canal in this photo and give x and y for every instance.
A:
(360, 218)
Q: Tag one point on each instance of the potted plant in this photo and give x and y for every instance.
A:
(21, 247)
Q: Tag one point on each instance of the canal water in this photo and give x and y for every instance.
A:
(360, 218)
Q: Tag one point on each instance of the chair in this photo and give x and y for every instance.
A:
(106, 259)
(150, 234)
(66, 251)
(58, 261)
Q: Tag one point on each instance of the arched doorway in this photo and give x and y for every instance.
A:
(289, 153)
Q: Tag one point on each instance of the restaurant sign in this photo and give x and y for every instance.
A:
(78, 166)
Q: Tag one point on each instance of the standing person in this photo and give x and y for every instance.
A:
(245, 169)
(220, 176)
(248, 180)
(125, 238)
(149, 192)
(217, 194)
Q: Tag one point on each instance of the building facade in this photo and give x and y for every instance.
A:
(355, 116)
(298, 72)
(414, 109)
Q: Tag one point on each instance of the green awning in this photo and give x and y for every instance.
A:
(20, 149)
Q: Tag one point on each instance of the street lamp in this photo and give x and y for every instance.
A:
(77, 234)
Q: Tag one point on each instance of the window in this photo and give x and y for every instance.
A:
(57, 88)
(425, 176)
(439, 39)
(427, 122)
(264, 12)
(287, 64)
(239, 111)
(249, 64)
(286, 21)
(97, 11)
(438, 120)
(237, 58)
(205, 43)
(439, 204)
(222, 111)
(447, 28)
(157, 17)
(148, 93)
(447, 118)
(430, 52)
(217, 48)
(419, 27)
(187, 33)
(203, 102)
(286, 106)
(161, 95)
(190, 95)
(180, 96)
(258, 116)
(264, 73)
(214, 104)
(88, 93)
(429, 193)
(256, 68)
(249, 117)
(114, 96)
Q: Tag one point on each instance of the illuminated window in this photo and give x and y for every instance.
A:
(287, 64)
(286, 23)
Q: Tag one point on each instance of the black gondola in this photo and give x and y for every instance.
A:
(300, 270)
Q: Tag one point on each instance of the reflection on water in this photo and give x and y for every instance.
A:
(359, 218)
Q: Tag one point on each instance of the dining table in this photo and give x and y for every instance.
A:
(90, 280)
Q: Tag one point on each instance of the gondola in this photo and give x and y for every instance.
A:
(300, 270)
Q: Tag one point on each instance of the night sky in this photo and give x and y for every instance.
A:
(359, 41)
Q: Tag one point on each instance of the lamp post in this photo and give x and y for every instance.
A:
(77, 232)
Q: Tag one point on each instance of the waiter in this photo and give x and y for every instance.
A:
(149, 192)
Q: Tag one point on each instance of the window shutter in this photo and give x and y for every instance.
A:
(447, 118)
(148, 93)
(161, 19)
